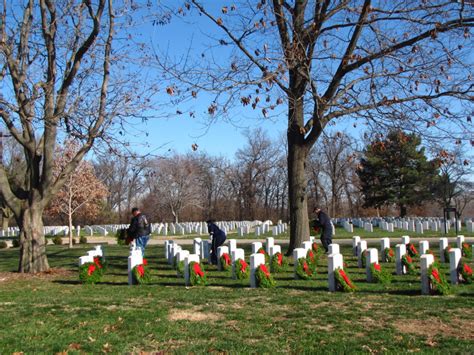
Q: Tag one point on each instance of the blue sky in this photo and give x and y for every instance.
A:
(179, 132)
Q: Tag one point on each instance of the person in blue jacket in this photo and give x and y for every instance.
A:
(323, 222)
(218, 238)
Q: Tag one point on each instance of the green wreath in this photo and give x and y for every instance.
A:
(303, 270)
(242, 269)
(343, 282)
(380, 275)
(465, 271)
(197, 274)
(278, 262)
(389, 255)
(466, 251)
(180, 268)
(438, 283)
(141, 274)
(89, 273)
(225, 261)
(407, 261)
(264, 278)
(363, 257)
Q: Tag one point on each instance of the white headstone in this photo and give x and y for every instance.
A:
(355, 242)
(187, 272)
(306, 245)
(134, 259)
(425, 262)
(197, 246)
(335, 261)
(298, 253)
(274, 250)
(270, 242)
(205, 249)
(236, 255)
(454, 259)
(443, 244)
(334, 249)
(424, 246)
(256, 246)
(384, 243)
(405, 239)
(361, 247)
(372, 257)
(459, 241)
(86, 259)
(232, 245)
(400, 250)
(255, 261)
(220, 251)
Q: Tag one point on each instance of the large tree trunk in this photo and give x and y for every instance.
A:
(32, 242)
(298, 201)
(403, 211)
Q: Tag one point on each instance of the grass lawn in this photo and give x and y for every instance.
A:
(54, 313)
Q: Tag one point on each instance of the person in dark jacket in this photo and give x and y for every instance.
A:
(139, 229)
(218, 238)
(323, 222)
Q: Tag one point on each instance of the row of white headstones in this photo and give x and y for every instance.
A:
(335, 259)
(174, 253)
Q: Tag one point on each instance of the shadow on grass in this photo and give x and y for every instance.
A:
(303, 288)
(392, 292)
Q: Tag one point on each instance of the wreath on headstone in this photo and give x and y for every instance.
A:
(363, 257)
(446, 253)
(179, 267)
(225, 262)
(99, 261)
(242, 269)
(316, 248)
(304, 270)
(438, 283)
(141, 273)
(411, 250)
(343, 282)
(197, 275)
(379, 274)
(263, 277)
(464, 272)
(122, 237)
(278, 262)
(389, 255)
(90, 273)
(407, 261)
(311, 258)
(466, 250)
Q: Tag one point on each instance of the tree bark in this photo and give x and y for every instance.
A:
(298, 201)
(70, 212)
(297, 183)
(403, 210)
(32, 242)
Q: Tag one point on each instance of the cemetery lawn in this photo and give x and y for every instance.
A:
(55, 313)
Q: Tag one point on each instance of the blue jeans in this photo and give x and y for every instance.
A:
(141, 242)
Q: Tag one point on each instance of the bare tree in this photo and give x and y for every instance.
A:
(57, 59)
(83, 191)
(330, 60)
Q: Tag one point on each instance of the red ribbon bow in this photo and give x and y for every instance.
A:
(467, 269)
(435, 274)
(226, 258)
(141, 270)
(346, 279)
(197, 270)
(377, 267)
(243, 265)
(265, 270)
(280, 259)
(97, 262)
(90, 269)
